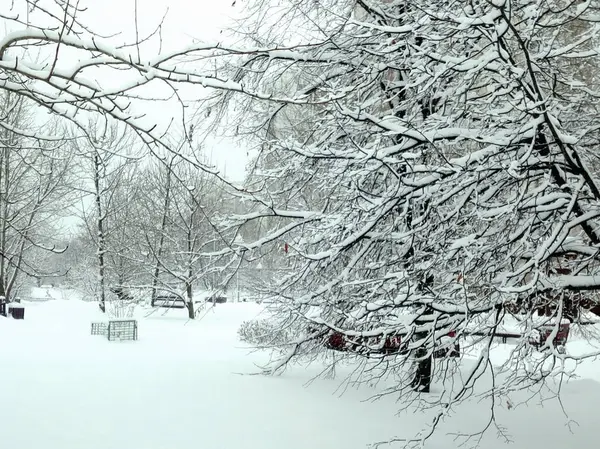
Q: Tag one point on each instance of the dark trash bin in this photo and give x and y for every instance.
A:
(17, 312)
(3, 308)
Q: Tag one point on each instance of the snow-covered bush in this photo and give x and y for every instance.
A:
(119, 309)
(263, 333)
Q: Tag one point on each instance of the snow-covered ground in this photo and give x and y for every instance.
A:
(48, 293)
(189, 385)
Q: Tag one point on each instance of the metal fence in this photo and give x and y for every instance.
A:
(99, 328)
(122, 330)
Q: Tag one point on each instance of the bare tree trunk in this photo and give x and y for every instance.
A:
(101, 247)
(190, 301)
(17, 269)
(190, 273)
(421, 382)
(161, 240)
(4, 183)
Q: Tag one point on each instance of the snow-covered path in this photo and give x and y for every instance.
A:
(180, 387)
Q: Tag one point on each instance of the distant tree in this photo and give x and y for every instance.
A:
(156, 186)
(109, 219)
(34, 184)
(181, 242)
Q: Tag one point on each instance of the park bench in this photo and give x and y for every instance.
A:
(216, 299)
(169, 302)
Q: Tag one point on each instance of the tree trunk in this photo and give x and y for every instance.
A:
(191, 310)
(190, 301)
(100, 229)
(4, 174)
(421, 383)
(190, 267)
(161, 239)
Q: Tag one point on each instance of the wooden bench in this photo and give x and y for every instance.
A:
(169, 302)
(216, 299)
(504, 336)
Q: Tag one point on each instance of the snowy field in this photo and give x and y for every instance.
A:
(189, 385)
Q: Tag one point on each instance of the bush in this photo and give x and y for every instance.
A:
(264, 333)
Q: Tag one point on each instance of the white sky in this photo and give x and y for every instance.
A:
(185, 21)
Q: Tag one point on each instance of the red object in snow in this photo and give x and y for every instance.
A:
(336, 341)
(545, 331)
(339, 342)
(286, 248)
(392, 343)
(447, 351)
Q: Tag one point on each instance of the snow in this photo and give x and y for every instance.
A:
(187, 385)
(582, 281)
(48, 292)
(463, 241)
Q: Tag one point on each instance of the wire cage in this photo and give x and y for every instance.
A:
(122, 330)
(99, 328)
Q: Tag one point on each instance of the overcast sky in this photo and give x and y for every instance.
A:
(181, 22)
(184, 20)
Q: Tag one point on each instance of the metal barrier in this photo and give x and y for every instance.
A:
(99, 328)
(122, 330)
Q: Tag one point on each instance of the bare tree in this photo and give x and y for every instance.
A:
(108, 223)
(181, 246)
(456, 182)
(34, 183)
(157, 185)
